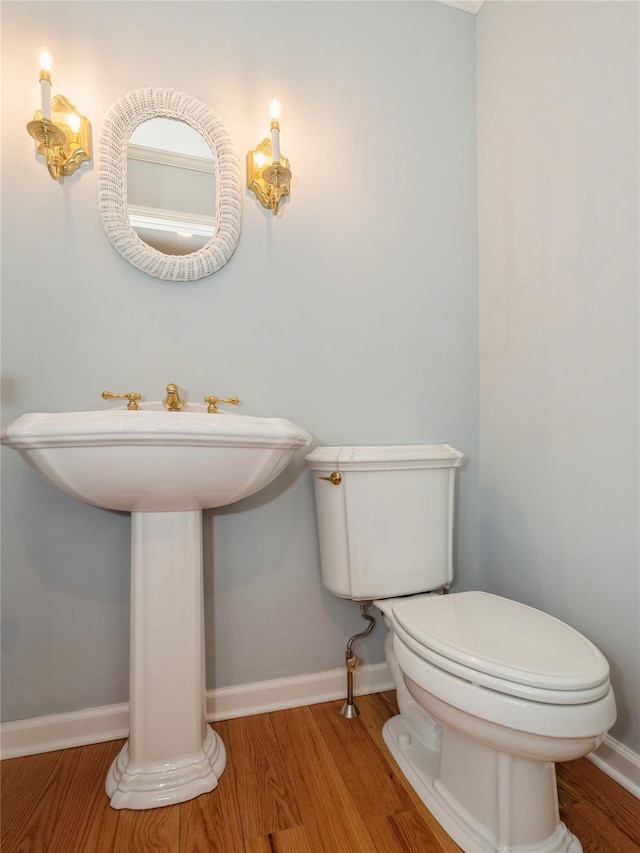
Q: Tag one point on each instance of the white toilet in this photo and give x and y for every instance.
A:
(491, 692)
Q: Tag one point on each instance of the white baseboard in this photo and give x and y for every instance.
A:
(260, 697)
(60, 731)
(95, 725)
(619, 762)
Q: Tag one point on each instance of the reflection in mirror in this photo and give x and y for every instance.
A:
(171, 187)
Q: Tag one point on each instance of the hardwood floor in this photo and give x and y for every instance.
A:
(304, 780)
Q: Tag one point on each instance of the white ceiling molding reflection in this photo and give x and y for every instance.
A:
(171, 158)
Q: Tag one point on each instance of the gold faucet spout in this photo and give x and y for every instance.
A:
(173, 401)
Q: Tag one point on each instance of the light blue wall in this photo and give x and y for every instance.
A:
(558, 102)
(353, 313)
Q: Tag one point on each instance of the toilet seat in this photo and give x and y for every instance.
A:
(502, 645)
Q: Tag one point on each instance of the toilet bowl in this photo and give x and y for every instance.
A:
(488, 774)
(491, 692)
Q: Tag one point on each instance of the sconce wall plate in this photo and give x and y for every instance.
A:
(269, 182)
(64, 140)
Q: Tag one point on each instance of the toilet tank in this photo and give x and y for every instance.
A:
(386, 525)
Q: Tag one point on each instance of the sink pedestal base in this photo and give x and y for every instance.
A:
(172, 755)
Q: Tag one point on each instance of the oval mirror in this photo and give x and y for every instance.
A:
(168, 168)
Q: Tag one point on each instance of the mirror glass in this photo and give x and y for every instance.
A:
(171, 186)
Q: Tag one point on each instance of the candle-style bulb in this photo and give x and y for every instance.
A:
(45, 61)
(274, 109)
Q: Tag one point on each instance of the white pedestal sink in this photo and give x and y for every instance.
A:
(164, 468)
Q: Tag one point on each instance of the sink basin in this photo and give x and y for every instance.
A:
(153, 460)
(164, 467)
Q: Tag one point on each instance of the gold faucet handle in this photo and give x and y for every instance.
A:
(131, 397)
(213, 400)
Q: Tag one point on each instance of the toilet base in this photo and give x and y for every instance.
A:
(421, 766)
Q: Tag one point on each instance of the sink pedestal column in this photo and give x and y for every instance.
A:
(172, 755)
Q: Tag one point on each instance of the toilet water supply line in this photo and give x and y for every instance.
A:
(349, 709)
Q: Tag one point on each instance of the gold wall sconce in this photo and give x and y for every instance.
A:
(62, 135)
(268, 172)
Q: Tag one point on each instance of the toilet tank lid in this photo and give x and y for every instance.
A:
(385, 456)
(503, 638)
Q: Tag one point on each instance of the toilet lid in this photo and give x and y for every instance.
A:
(502, 639)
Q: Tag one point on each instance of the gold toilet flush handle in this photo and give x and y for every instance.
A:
(132, 404)
(335, 478)
(212, 401)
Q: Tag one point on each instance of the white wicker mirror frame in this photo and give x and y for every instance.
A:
(122, 119)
